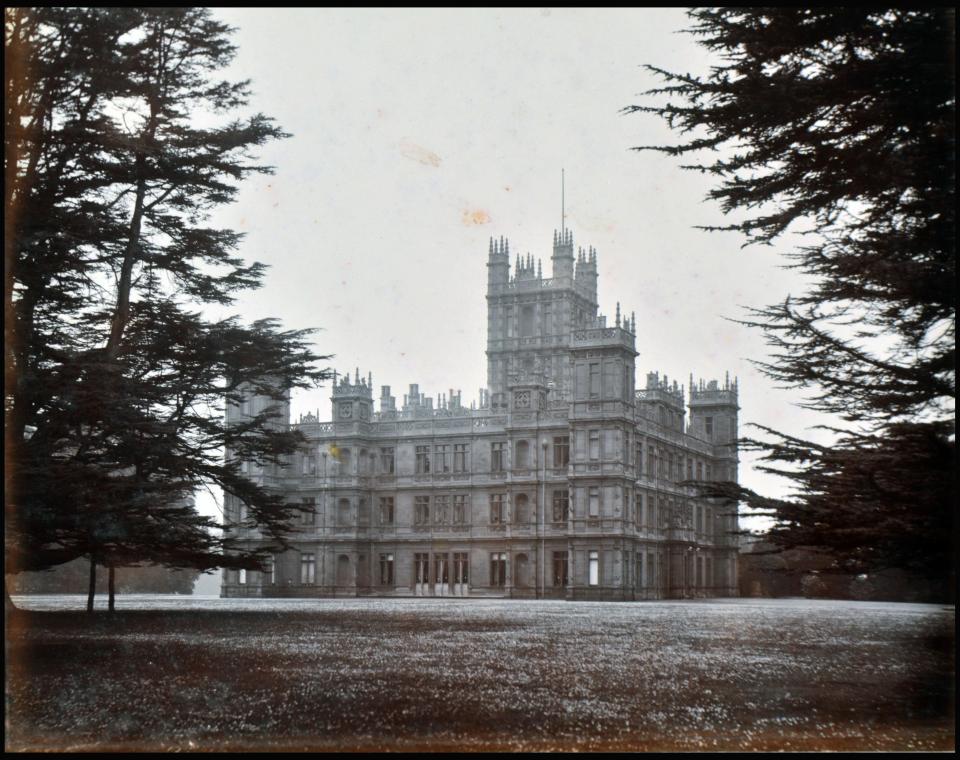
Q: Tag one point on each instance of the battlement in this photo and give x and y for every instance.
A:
(661, 390)
(360, 387)
(602, 336)
(710, 393)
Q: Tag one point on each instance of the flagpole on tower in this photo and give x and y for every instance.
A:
(563, 206)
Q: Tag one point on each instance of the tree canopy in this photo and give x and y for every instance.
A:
(838, 124)
(120, 140)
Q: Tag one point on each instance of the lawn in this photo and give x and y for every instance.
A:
(186, 673)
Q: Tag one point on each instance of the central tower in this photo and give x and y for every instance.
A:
(530, 318)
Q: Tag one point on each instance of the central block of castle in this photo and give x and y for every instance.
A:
(562, 480)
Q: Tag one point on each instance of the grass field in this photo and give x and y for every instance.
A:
(417, 674)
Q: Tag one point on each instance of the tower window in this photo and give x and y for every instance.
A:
(526, 320)
(595, 380)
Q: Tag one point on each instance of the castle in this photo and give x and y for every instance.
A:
(563, 481)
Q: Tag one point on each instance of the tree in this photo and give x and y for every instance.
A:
(114, 378)
(838, 124)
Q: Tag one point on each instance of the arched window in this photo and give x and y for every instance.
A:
(521, 509)
(521, 577)
(343, 512)
(343, 571)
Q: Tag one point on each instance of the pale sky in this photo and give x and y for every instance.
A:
(418, 134)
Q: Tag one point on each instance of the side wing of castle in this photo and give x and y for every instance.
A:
(564, 481)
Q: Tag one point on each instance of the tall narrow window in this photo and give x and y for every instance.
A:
(242, 577)
(421, 567)
(526, 319)
(460, 509)
(386, 569)
(421, 510)
(594, 444)
(594, 381)
(268, 571)
(498, 569)
(708, 425)
(441, 458)
(594, 568)
(522, 454)
(307, 511)
(461, 568)
(561, 505)
(459, 457)
(496, 508)
(594, 502)
(561, 451)
(441, 509)
(308, 568)
(387, 460)
(386, 510)
(423, 460)
(497, 463)
(560, 569)
(441, 568)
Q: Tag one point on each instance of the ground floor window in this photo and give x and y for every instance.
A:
(498, 569)
(386, 569)
(308, 568)
(268, 571)
(242, 576)
(594, 568)
(560, 569)
(441, 568)
(421, 567)
(461, 568)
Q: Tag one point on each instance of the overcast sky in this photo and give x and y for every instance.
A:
(418, 134)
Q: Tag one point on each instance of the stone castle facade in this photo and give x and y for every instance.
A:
(564, 480)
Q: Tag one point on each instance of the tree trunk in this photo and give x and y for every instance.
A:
(111, 573)
(92, 589)
(8, 605)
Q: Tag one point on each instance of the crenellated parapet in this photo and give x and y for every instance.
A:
(712, 393)
(359, 387)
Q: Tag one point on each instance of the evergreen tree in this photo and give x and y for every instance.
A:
(838, 123)
(114, 379)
